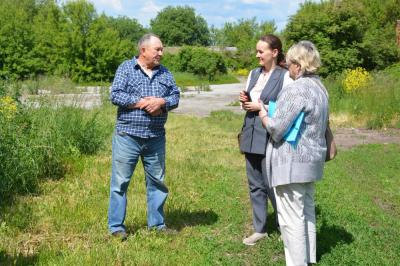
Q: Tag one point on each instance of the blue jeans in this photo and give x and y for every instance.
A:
(125, 155)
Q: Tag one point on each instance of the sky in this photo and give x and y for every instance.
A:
(214, 12)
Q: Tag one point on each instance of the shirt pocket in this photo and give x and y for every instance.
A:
(164, 86)
(135, 86)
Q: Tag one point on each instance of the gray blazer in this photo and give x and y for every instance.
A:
(254, 136)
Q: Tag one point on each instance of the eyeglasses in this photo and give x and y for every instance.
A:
(290, 62)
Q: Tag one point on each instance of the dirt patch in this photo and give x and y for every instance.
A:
(349, 137)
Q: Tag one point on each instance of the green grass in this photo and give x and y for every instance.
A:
(184, 79)
(65, 223)
(375, 106)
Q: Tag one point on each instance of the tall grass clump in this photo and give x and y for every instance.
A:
(370, 98)
(40, 143)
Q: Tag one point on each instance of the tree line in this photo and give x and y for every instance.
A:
(41, 37)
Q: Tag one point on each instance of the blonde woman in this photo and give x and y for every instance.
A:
(292, 170)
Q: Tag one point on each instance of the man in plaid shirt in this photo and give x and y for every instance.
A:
(144, 92)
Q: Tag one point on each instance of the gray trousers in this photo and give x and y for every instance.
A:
(260, 191)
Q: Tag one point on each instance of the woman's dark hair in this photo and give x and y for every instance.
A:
(275, 43)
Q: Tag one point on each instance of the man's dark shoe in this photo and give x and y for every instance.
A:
(121, 235)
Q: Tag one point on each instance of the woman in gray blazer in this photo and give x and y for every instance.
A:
(294, 167)
(263, 84)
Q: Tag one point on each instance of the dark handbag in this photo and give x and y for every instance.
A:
(239, 136)
(331, 150)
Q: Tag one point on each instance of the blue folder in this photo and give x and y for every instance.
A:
(292, 133)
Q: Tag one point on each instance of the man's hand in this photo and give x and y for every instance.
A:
(140, 104)
(151, 105)
(251, 106)
(154, 105)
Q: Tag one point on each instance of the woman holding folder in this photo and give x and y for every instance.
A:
(293, 167)
(263, 84)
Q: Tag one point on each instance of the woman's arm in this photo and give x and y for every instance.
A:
(288, 106)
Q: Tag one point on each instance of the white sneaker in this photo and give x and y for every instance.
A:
(251, 240)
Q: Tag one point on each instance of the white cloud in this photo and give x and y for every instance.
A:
(114, 4)
(150, 8)
(146, 11)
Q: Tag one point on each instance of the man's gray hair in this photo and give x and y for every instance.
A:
(145, 39)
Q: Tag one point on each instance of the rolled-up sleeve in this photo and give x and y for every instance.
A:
(119, 93)
(172, 99)
(288, 107)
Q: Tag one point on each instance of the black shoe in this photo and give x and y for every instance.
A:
(121, 235)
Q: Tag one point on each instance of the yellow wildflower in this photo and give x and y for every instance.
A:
(242, 72)
(8, 107)
(355, 79)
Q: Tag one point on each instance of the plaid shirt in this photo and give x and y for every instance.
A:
(129, 86)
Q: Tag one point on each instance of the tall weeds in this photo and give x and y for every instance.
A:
(39, 143)
(376, 104)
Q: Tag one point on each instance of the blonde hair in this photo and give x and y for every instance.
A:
(306, 55)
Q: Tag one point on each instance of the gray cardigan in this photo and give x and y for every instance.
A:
(254, 137)
(304, 163)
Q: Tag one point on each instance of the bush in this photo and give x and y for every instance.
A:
(171, 61)
(39, 143)
(376, 103)
(242, 72)
(201, 61)
(355, 80)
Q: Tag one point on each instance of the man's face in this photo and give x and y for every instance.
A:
(152, 52)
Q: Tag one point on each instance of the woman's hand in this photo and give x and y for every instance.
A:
(251, 106)
(263, 114)
(244, 97)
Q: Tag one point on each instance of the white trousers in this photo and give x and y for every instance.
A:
(296, 215)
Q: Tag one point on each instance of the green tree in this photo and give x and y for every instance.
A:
(80, 15)
(244, 35)
(201, 61)
(105, 50)
(16, 38)
(179, 25)
(50, 39)
(129, 29)
(348, 33)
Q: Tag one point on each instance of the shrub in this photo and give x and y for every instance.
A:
(242, 72)
(171, 61)
(355, 80)
(39, 143)
(373, 99)
(200, 61)
(8, 107)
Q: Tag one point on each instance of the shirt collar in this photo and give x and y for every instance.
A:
(137, 66)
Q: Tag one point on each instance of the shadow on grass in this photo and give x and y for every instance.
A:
(179, 219)
(6, 259)
(272, 223)
(18, 215)
(330, 236)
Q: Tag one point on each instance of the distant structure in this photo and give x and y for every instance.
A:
(176, 49)
(398, 32)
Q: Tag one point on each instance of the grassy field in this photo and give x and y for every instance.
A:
(65, 222)
(184, 79)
